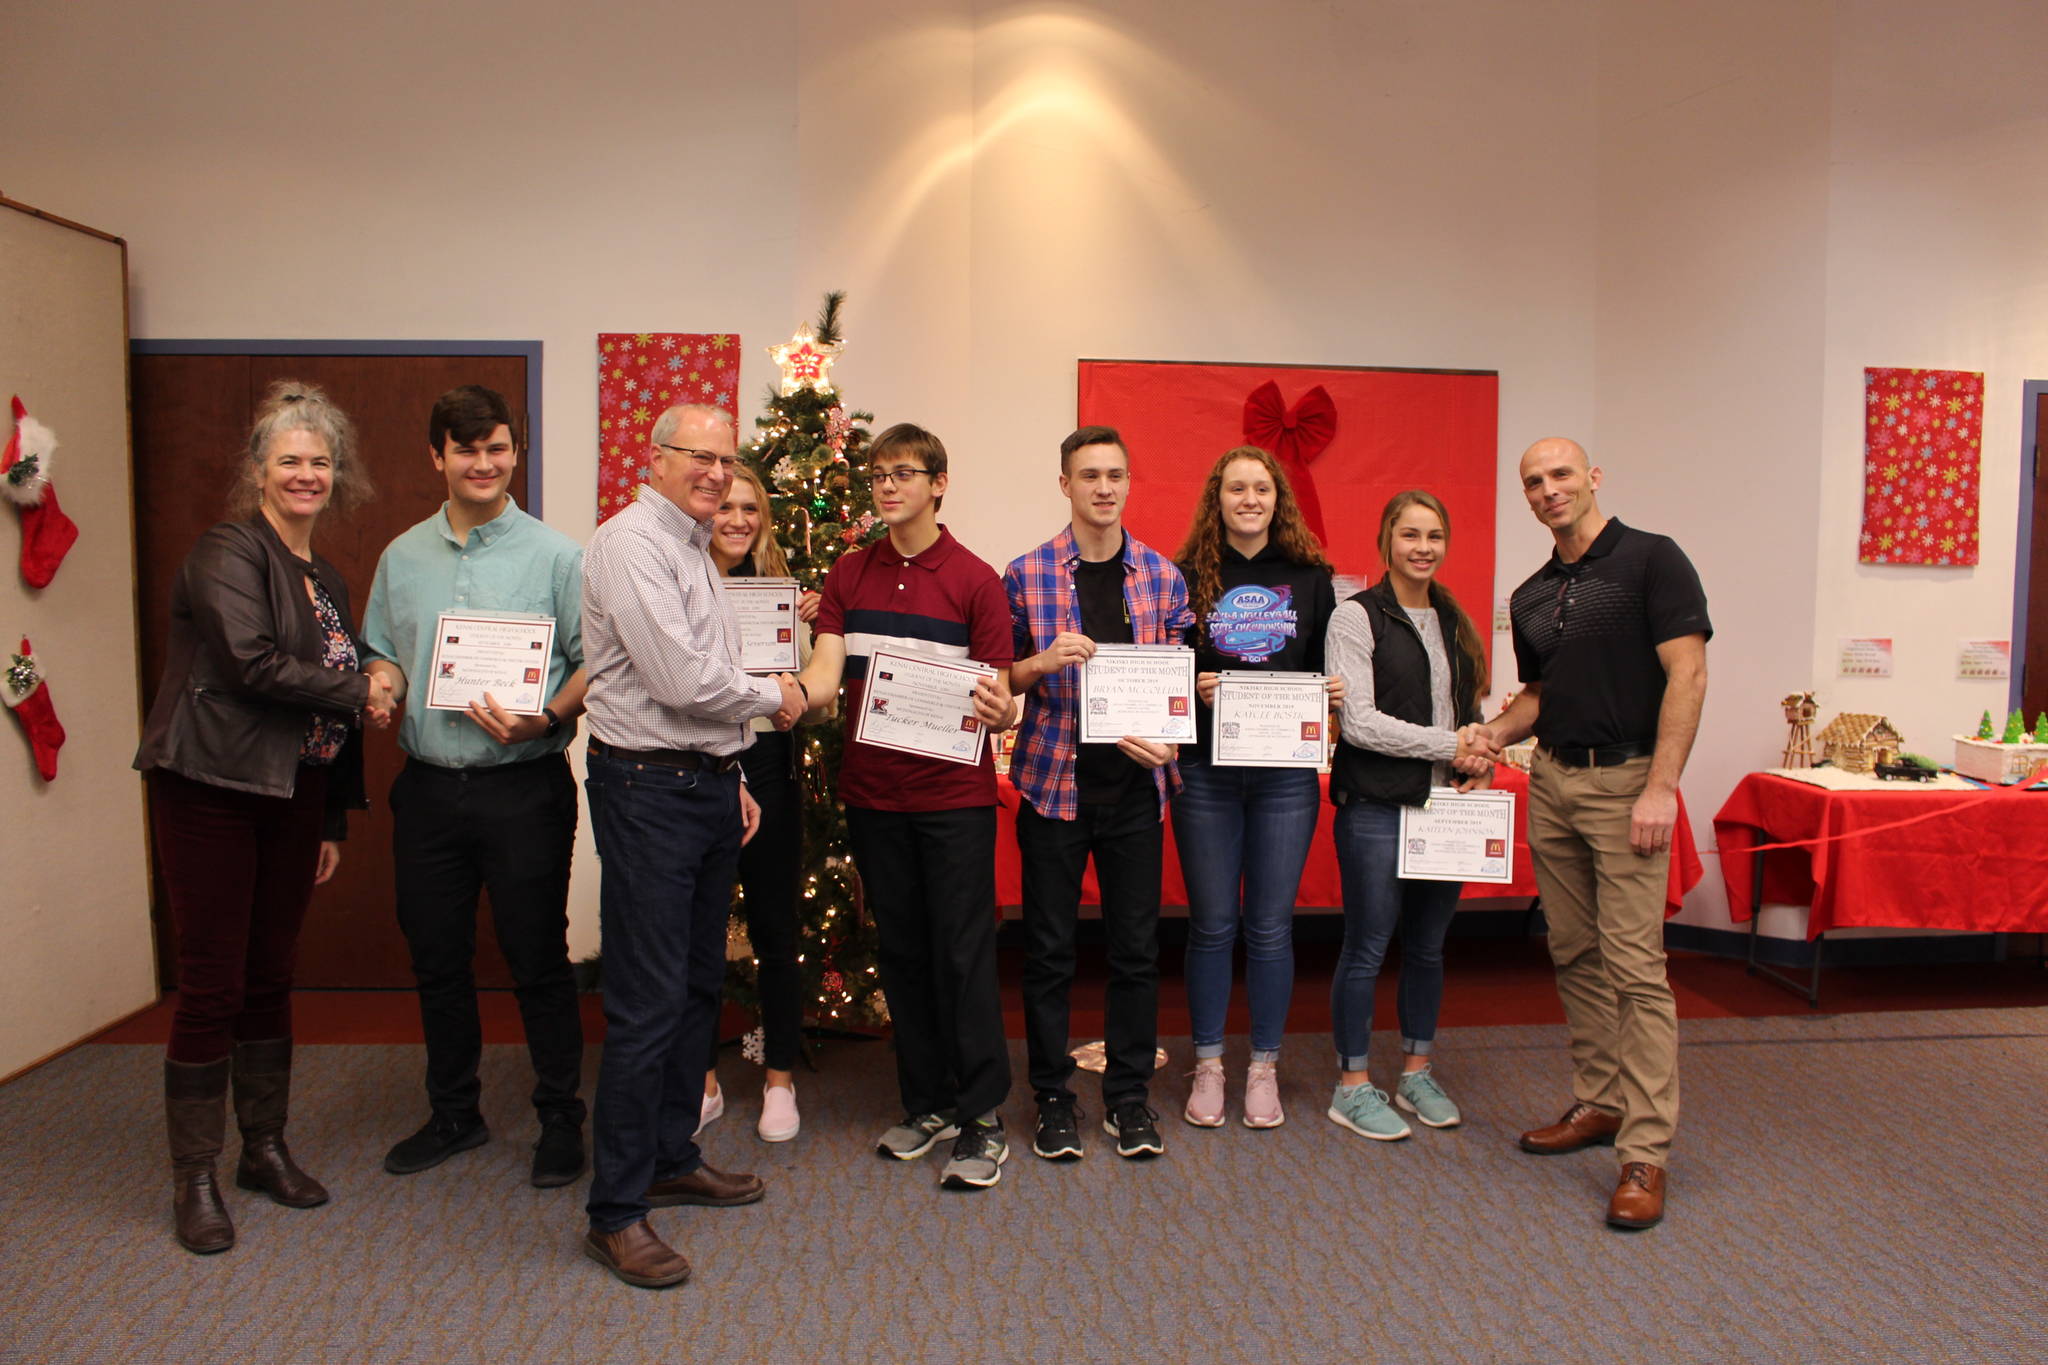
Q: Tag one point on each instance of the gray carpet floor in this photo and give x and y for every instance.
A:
(1853, 1188)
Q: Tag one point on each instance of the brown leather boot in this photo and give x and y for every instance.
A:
(263, 1084)
(1638, 1200)
(195, 1113)
(1582, 1126)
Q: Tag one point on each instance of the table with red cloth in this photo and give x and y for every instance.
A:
(1319, 882)
(1982, 867)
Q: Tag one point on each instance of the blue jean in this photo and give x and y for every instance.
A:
(1243, 835)
(1376, 902)
(669, 842)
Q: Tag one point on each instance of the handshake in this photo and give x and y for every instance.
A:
(382, 704)
(1478, 751)
(795, 701)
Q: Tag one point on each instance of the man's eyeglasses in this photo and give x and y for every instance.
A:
(703, 459)
(900, 474)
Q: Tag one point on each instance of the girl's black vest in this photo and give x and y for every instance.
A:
(1400, 685)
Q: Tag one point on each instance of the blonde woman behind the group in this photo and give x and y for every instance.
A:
(771, 863)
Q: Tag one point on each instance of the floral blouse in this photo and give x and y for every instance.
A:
(325, 735)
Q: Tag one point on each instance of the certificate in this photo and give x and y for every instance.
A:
(1454, 837)
(506, 656)
(921, 704)
(1144, 691)
(1270, 720)
(766, 608)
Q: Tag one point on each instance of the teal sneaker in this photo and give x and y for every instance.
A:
(1365, 1111)
(1421, 1096)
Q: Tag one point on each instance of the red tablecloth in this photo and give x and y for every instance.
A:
(1982, 867)
(1319, 884)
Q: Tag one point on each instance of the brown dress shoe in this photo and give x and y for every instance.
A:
(706, 1186)
(1639, 1199)
(637, 1256)
(1582, 1126)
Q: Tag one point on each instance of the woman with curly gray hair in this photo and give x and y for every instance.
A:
(253, 750)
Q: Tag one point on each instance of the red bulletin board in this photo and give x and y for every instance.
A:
(1395, 429)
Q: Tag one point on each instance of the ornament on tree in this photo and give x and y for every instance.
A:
(806, 361)
(47, 535)
(832, 983)
(754, 1047)
(26, 694)
(837, 425)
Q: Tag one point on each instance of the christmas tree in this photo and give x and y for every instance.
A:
(2041, 727)
(808, 452)
(2015, 728)
(1984, 730)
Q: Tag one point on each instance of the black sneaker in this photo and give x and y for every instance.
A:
(1059, 1128)
(443, 1136)
(1135, 1128)
(978, 1156)
(558, 1156)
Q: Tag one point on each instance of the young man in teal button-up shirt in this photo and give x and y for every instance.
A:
(486, 798)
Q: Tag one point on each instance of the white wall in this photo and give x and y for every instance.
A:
(1666, 225)
(1711, 323)
(1938, 258)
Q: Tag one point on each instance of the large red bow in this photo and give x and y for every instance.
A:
(1295, 438)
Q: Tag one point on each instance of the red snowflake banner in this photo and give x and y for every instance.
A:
(1922, 433)
(638, 375)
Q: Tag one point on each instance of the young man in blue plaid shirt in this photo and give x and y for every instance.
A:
(1092, 583)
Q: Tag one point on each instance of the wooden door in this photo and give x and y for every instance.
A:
(192, 414)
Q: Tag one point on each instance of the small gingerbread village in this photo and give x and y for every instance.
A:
(1860, 742)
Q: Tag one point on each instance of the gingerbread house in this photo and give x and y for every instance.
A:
(1857, 742)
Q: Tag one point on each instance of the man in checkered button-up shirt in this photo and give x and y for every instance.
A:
(1090, 583)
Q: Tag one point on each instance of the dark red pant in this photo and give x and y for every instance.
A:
(238, 868)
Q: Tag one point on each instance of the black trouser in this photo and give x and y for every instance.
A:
(771, 867)
(930, 880)
(1126, 839)
(510, 829)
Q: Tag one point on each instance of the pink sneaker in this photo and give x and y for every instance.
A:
(1262, 1096)
(1205, 1102)
(714, 1105)
(778, 1114)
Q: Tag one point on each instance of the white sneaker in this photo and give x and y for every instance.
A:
(779, 1122)
(714, 1105)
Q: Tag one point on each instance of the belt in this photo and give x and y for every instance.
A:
(689, 760)
(1606, 756)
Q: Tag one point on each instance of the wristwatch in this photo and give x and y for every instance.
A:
(554, 722)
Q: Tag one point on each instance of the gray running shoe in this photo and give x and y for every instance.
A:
(916, 1135)
(1421, 1096)
(978, 1156)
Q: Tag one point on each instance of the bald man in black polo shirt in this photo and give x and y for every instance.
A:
(1611, 644)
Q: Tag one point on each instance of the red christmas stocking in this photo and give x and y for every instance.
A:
(47, 535)
(28, 696)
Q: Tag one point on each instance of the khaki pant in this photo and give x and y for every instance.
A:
(1605, 905)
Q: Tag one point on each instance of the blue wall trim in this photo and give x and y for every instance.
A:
(360, 346)
(2023, 553)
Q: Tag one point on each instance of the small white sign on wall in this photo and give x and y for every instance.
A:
(1503, 623)
(1867, 656)
(1984, 659)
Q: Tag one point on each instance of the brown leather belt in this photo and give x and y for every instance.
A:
(689, 760)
